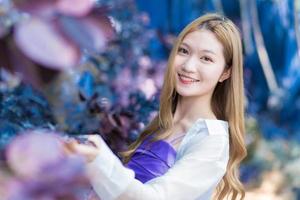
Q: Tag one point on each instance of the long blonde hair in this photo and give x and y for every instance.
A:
(227, 101)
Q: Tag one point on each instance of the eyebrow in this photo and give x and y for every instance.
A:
(204, 50)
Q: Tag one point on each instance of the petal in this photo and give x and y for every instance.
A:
(82, 8)
(41, 41)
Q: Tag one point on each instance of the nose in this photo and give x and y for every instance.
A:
(189, 66)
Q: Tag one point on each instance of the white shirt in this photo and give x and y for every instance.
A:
(201, 162)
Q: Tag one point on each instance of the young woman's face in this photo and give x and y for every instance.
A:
(199, 64)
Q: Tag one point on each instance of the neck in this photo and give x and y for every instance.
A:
(189, 109)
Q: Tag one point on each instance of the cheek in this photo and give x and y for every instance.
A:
(212, 74)
(178, 61)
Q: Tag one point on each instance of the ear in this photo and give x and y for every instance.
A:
(225, 75)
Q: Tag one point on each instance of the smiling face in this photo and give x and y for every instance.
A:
(199, 64)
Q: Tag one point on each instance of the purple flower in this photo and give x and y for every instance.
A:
(29, 153)
(41, 170)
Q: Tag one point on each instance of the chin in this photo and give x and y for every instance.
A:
(183, 92)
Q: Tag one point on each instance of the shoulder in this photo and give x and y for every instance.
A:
(216, 127)
(209, 127)
(210, 137)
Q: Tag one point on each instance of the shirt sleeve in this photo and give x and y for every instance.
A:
(200, 168)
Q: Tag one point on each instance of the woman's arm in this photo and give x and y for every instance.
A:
(198, 171)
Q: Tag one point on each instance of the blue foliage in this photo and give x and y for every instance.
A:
(22, 108)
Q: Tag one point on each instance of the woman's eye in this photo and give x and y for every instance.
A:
(183, 50)
(206, 59)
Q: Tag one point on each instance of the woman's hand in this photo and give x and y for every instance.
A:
(89, 150)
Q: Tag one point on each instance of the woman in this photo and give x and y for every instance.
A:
(201, 109)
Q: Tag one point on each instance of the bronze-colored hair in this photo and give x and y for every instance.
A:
(227, 101)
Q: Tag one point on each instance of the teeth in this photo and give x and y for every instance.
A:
(187, 79)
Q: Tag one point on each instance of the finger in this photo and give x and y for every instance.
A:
(96, 139)
(71, 146)
(84, 149)
(66, 150)
(87, 151)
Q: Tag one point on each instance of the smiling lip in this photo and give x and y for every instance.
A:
(186, 79)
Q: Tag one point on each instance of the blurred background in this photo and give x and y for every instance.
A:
(75, 67)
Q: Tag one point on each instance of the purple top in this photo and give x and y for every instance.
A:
(151, 160)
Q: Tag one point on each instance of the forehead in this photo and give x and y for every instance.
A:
(203, 40)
